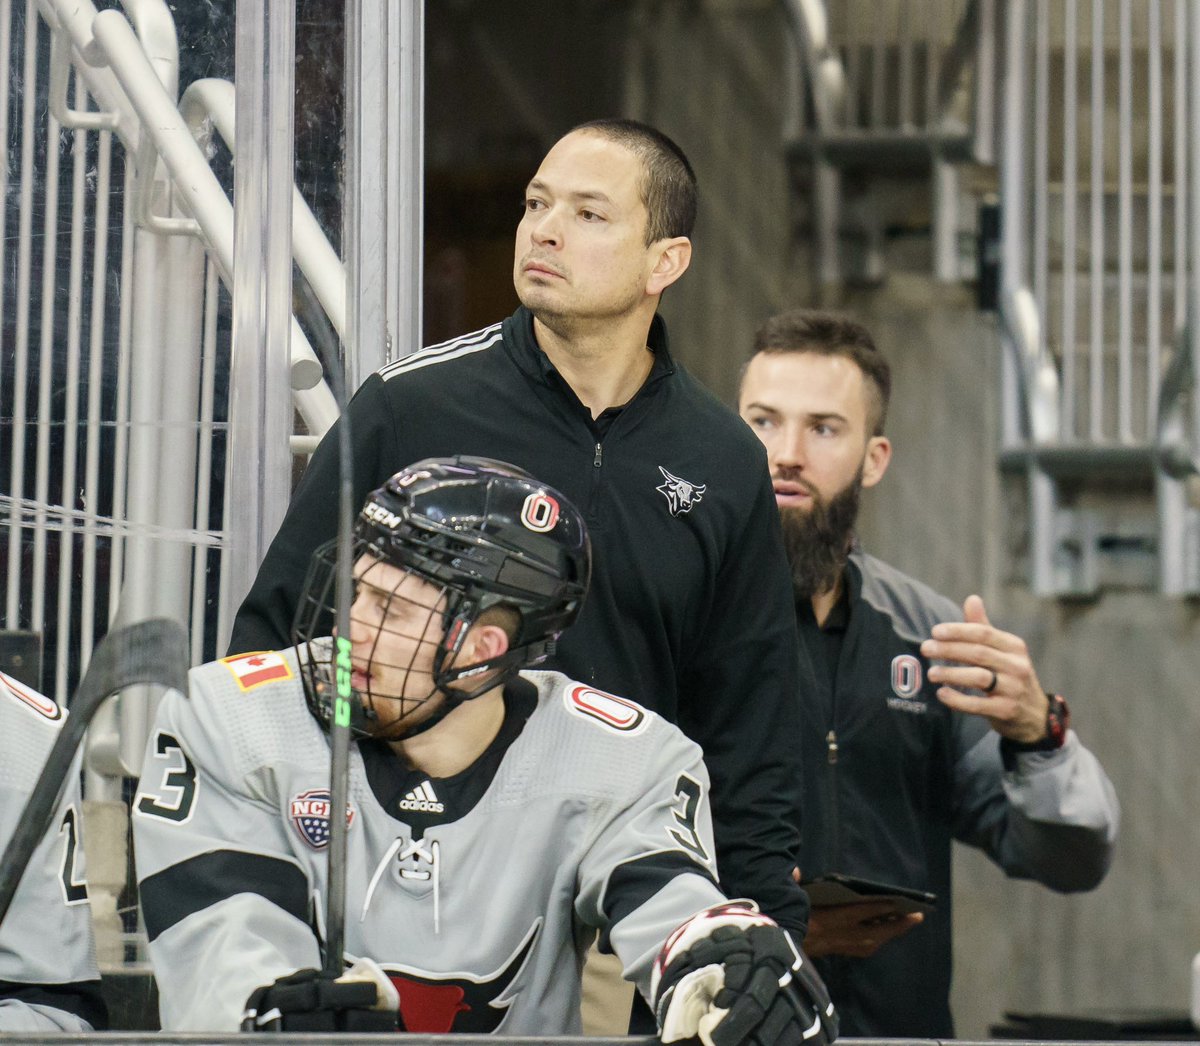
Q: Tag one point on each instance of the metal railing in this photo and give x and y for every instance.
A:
(1099, 273)
(891, 87)
(115, 340)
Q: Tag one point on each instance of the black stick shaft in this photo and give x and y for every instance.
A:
(339, 731)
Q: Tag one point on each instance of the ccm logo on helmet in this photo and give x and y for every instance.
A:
(376, 513)
(540, 512)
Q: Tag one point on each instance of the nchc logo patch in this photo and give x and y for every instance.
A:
(310, 814)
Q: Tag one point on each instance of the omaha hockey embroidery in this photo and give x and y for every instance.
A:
(906, 675)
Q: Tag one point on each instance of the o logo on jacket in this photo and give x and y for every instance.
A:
(906, 675)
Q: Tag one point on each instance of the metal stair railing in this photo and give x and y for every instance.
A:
(1099, 290)
(884, 95)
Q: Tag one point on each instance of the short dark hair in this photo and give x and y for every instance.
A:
(831, 334)
(668, 183)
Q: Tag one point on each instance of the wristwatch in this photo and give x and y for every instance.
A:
(1058, 721)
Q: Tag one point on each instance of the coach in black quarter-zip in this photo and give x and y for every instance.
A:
(690, 612)
(923, 727)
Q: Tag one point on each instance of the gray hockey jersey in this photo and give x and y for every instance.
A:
(48, 975)
(478, 894)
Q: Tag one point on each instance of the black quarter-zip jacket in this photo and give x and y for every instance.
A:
(690, 610)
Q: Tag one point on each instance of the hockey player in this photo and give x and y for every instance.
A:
(48, 976)
(498, 818)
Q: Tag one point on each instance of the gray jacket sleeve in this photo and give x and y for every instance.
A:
(1053, 818)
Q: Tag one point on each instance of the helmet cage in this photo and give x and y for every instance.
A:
(460, 525)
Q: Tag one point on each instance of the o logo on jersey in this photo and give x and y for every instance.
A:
(614, 712)
(906, 675)
(540, 512)
(43, 706)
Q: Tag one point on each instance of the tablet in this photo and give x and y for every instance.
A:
(834, 888)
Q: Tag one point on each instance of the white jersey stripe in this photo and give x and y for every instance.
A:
(447, 350)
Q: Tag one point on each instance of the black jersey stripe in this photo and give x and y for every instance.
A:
(447, 350)
(170, 896)
(82, 998)
(633, 883)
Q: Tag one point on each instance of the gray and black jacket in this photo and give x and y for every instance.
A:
(892, 776)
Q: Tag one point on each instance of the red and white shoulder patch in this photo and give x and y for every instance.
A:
(31, 699)
(616, 713)
(251, 670)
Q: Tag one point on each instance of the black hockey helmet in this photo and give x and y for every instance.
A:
(487, 534)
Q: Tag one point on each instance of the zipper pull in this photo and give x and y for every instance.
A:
(596, 462)
(831, 742)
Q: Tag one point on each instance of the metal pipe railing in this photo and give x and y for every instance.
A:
(24, 297)
(1096, 230)
(83, 400)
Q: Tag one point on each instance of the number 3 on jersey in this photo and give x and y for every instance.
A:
(688, 789)
(176, 793)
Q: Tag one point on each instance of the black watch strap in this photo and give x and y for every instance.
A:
(1058, 722)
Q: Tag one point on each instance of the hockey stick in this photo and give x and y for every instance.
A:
(153, 651)
(339, 729)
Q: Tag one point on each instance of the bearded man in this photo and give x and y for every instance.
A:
(927, 724)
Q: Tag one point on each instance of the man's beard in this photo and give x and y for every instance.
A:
(817, 540)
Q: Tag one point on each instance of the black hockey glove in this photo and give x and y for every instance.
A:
(734, 977)
(309, 1000)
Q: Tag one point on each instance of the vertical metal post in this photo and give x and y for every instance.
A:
(24, 297)
(1192, 45)
(1041, 169)
(1096, 249)
(1154, 241)
(406, 178)
(5, 79)
(1125, 225)
(385, 106)
(1070, 210)
(945, 221)
(67, 584)
(984, 147)
(1043, 507)
(260, 409)
(1180, 175)
(365, 203)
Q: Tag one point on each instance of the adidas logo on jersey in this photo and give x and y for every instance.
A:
(422, 799)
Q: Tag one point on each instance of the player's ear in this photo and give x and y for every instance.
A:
(484, 642)
(875, 462)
